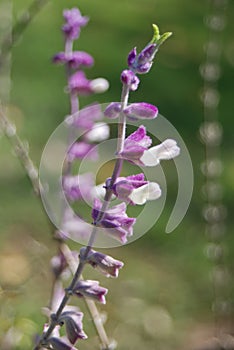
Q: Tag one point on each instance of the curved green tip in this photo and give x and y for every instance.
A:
(156, 35)
(157, 38)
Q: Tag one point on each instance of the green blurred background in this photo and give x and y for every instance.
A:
(162, 299)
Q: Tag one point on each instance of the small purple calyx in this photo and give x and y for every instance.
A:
(75, 59)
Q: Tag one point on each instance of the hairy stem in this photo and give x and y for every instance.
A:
(20, 150)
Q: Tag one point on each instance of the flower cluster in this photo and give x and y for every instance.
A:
(133, 189)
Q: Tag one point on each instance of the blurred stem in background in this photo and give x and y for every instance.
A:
(14, 33)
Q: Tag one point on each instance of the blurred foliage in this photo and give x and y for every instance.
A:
(163, 296)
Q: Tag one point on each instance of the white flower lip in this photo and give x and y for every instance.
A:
(141, 195)
(168, 149)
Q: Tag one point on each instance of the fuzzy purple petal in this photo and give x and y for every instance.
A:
(112, 110)
(141, 110)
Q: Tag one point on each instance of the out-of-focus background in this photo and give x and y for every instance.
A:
(164, 295)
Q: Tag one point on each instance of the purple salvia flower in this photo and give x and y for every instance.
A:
(80, 150)
(75, 59)
(74, 325)
(74, 22)
(130, 79)
(90, 289)
(114, 220)
(78, 186)
(135, 190)
(102, 262)
(79, 84)
(141, 110)
(136, 149)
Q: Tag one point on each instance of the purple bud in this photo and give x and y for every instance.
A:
(90, 289)
(112, 110)
(74, 21)
(102, 262)
(130, 79)
(79, 150)
(142, 63)
(115, 220)
(147, 54)
(74, 325)
(141, 111)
